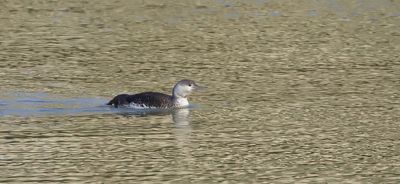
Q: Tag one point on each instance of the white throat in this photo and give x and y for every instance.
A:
(181, 102)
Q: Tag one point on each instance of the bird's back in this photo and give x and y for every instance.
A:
(145, 100)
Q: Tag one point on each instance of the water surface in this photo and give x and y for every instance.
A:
(298, 91)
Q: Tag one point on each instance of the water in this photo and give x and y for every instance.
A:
(41, 104)
(298, 91)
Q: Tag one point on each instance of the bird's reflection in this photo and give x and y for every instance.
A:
(182, 131)
(179, 116)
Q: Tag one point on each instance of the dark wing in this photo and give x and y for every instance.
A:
(150, 99)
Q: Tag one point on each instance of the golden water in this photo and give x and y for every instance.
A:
(298, 91)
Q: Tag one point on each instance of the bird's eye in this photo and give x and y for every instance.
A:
(190, 85)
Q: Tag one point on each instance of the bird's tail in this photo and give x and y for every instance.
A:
(118, 100)
(111, 102)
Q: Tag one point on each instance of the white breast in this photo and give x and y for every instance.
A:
(181, 102)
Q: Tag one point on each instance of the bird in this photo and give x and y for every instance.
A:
(178, 99)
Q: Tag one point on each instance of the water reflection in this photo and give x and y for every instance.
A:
(181, 132)
(179, 116)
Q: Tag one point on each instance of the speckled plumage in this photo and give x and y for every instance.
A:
(146, 99)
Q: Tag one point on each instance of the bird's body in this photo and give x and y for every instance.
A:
(143, 100)
(158, 100)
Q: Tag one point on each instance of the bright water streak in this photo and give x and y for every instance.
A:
(41, 104)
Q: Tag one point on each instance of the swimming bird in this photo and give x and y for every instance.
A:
(179, 98)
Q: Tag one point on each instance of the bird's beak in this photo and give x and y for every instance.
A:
(199, 88)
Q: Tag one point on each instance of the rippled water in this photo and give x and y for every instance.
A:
(298, 91)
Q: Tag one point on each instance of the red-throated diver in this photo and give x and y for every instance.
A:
(180, 92)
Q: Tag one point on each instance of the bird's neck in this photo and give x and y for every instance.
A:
(180, 101)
